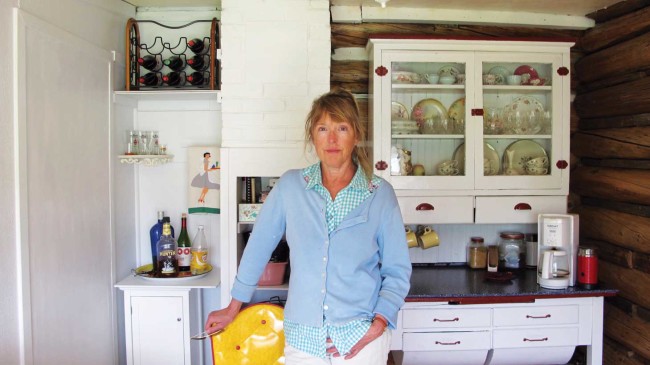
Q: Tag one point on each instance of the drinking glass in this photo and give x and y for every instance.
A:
(144, 142)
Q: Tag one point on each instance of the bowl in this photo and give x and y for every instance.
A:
(406, 77)
(447, 80)
(431, 78)
(273, 274)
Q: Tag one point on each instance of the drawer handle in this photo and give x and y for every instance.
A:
(446, 320)
(424, 206)
(538, 317)
(448, 343)
(523, 206)
(535, 339)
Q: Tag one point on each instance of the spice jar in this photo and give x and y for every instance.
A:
(477, 253)
(512, 251)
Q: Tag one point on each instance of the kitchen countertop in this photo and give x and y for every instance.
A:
(458, 284)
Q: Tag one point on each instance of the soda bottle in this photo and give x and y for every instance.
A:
(184, 250)
(167, 263)
(199, 263)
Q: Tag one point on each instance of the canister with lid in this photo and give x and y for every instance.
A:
(477, 253)
(512, 251)
(587, 267)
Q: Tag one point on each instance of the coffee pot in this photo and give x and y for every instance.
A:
(553, 269)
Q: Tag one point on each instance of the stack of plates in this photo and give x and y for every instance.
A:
(405, 127)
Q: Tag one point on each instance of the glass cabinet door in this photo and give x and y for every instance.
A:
(424, 124)
(521, 99)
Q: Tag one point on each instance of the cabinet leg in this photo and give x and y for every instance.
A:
(595, 350)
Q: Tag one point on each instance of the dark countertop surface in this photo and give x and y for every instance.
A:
(460, 284)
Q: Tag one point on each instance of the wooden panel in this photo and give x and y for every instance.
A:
(619, 9)
(631, 331)
(619, 59)
(624, 99)
(631, 143)
(616, 30)
(639, 120)
(622, 229)
(610, 81)
(615, 353)
(609, 252)
(613, 184)
(632, 284)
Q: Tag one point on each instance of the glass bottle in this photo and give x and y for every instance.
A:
(199, 62)
(175, 63)
(184, 250)
(151, 79)
(198, 46)
(197, 78)
(199, 263)
(167, 263)
(174, 78)
(154, 235)
(151, 63)
(477, 254)
(512, 251)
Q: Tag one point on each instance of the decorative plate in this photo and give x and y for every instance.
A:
(501, 74)
(525, 69)
(431, 116)
(518, 153)
(398, 111)
(449, 70)
(457, 115)
(146, 272)
(489, 153)
(521, 123)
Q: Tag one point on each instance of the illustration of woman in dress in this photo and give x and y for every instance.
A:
(202, 180)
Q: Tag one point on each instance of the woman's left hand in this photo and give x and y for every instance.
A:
(376, 329)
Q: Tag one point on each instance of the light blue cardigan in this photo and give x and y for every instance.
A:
(362, 268)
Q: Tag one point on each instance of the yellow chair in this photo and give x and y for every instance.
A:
(255, 337)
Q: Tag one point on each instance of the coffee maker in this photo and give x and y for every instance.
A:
(557, 250)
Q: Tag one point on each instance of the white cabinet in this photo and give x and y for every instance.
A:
(545, 331)
(474, 135)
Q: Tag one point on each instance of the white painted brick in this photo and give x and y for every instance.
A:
(286, 89)
(320, 4)
(265, 105)
(242, 90)
(230, 134)
(293, 118)
(230, 119)
(320, 31)
(318, 89)
(319, 49)
(318, 16)
(295, 134)
(264, 134)
(318, 75)
(302, 104)
(319, 61)
(233, 106)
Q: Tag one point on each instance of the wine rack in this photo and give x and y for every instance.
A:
(136, 50)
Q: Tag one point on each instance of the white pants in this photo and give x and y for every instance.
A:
(375, 353)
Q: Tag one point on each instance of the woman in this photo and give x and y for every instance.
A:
(350, 266)
(202, 180)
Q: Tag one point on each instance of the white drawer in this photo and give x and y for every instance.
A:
(427, 210)
(446, 341)
(446, 318)
(535, 337)
(517, 209)
(534, 316)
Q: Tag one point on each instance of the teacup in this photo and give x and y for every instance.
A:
(431, 78)
(537, 162)
(513, 79)
(428, 238)
(460, 79)
(489, 79)
(447, 80)
(448, 167)
(411, 238)
(536, 170)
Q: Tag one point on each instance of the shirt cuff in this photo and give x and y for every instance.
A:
(242, 292)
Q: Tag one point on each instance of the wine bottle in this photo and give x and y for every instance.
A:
(175, 63)
(184, 250)
(154, 234)
(151, 63)
(199, 264)
(174, 78)
(199, 62)
(151, 79)
(167, 263)
(197, 78)
(197, 46)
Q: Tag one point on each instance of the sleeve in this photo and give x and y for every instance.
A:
(267, 232)
(395, 262)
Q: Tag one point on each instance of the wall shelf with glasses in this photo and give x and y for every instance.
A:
(146, 160)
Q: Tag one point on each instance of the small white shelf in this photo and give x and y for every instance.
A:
(146, 160)
(168, 94)
(428, 136)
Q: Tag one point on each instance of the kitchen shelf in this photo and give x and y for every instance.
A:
(168, 94)
(146, 160)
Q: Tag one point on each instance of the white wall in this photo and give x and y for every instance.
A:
(276, 60)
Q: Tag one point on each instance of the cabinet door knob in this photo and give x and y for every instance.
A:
(562, 164)
(381, 165)
(523, 206)
(381, 71)
(562, 71)
(424, 206)
(477, 112)
(178, 319)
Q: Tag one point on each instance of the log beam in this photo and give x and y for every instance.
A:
(617, 10)
(630, 143)
(629, 330)
(638, 120)
(622, 229)
(622, 185)
(616, 30)
(631, 284)
(624, 99)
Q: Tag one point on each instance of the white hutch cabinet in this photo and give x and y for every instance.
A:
(455, 103)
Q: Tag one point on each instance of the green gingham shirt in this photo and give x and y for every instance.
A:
(312, 340)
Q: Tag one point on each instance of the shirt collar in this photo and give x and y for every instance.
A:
(312, 175)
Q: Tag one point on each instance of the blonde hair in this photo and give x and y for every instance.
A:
(341, 106)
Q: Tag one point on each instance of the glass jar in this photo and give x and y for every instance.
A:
(477, 254)
(512, 251)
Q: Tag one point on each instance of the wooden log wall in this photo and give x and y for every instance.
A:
(611, 179)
